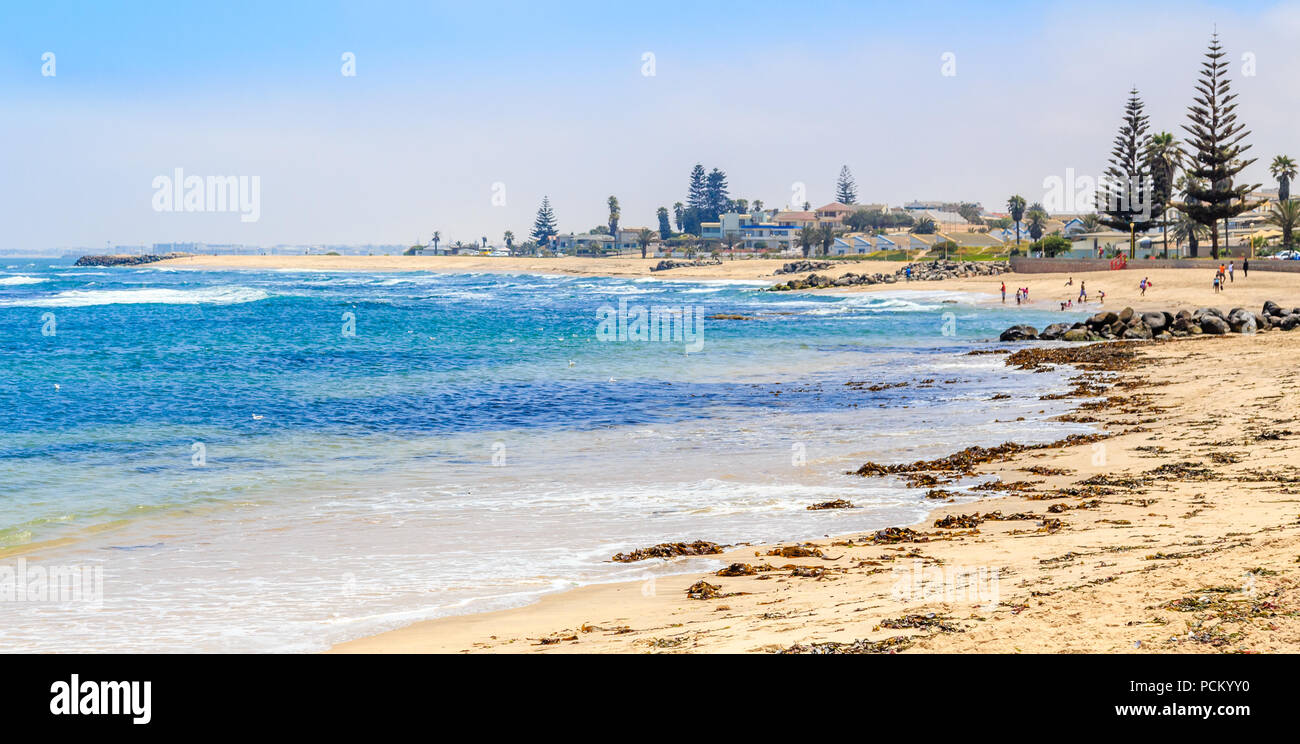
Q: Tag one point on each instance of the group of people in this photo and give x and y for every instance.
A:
(1022, 294)
(1225, 274)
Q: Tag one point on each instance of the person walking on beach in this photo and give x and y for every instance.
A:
(1004, 293)
(1216, 284)
(1083, 292)
(1230, 268)
(1245, 267)
(908, 272)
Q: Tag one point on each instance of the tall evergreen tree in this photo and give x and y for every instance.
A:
(716, 200)
(665, 229)
(1216, 142)
(1124, 197)
(846, 190)
(697, 201)
(679, 212)
(544, 227)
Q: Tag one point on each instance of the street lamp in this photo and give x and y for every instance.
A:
(1132, 242)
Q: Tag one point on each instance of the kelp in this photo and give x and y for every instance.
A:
(703, 590)
(797, 551)
(886, 646)
(836, 504)
(931, 621)
(669, 550)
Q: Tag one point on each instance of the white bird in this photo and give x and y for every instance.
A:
(257, 417)
(612, 380)
(56, 387)
(571, 363)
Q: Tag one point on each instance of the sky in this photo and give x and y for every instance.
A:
(461, 116)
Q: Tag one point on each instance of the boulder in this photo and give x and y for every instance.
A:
(1103, 319)
(1155, 321)
(1076, 334)
(1289, 322)
(1054, 331)
(1019, 333)
(1214, 325)
(1126, 315)
(1138, 331)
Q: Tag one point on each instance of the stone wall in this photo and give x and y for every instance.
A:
(1022, 265)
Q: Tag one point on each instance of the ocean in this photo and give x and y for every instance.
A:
(284, 460)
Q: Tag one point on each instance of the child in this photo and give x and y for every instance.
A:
(1101, 297)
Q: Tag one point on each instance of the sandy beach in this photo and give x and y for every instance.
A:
(1175, 530)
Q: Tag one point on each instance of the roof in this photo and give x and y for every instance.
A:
(837, 207)
(795, 216)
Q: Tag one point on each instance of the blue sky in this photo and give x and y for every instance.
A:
(451, 99)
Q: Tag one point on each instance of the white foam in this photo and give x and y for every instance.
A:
(10, 281)
(85, 298)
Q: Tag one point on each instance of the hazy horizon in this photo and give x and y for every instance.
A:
(462, 104)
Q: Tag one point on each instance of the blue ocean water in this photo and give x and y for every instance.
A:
(279, 460)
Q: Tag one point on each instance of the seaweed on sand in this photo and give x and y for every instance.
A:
(669, 550)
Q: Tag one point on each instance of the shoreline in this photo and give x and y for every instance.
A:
(1069, 579)
(1171, 289)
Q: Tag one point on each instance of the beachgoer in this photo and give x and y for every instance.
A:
(1101, 297)
(1083, 292)
(1004, 293)
(1216, 283)
(1245, 267)
(1069, 282)
(1230, 268)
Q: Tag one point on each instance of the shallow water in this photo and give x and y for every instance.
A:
(281, 460)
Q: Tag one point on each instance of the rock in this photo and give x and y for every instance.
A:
(1155, 321)
(1139, 331)
(800, 267)
(1076, 334)
(1214, 325)
(1103, 319)
(1271, 308)
(1019, 333)
(1126, 315)
(1289, 322)
(1054, 331)
(126, 260)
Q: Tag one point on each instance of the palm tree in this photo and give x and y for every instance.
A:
(437, 235)
(1165, 154)
(614, 214)
(1283, 169)
(923, 226)
(1037, 221)
(1285, 215)
(510, 241)
(807, 239)
(826, 236)
(1091, 222)
(1187, 230)
(643, 239)
(1016, 207)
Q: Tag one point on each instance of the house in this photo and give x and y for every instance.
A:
(588, 244)
(795, 219)
(834, 213)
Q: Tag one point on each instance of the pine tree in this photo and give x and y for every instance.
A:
(697, 201)
(1215, 140)
(665, 229)
(544, 226)
(715, 195)
(846, 191)
(1124, 197)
